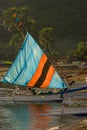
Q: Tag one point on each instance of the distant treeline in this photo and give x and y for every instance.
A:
(67, 17)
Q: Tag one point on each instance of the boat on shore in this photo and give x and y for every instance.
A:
(32, 72)
(18, 94)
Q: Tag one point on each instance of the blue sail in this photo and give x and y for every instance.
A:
(32, 68)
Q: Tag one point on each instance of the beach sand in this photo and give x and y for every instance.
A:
(81, 126)
(76, 126)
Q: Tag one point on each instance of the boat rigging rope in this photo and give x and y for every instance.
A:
(66, 80)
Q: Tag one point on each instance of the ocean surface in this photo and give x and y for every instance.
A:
(31, 117)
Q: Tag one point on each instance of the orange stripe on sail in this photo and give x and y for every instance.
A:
(38, 71)
(48, 78)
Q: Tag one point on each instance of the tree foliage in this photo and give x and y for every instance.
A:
(46, 37)
(3, 53)
(14, 45)
(81, 51)
(17, 20)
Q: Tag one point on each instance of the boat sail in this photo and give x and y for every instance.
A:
(32, 68)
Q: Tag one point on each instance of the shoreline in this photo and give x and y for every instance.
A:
(79, 124)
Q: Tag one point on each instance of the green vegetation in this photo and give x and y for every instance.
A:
(81, 51)
(18, 23)
(46, 37)
(16, 20)
(66, 17)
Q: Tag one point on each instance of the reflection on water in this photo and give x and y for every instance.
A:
(40, 121)
(15, 117)
(43, 122)
(28, 117)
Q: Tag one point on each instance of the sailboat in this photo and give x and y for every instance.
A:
(32, 70)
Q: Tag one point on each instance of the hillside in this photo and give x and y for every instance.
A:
(68, 17)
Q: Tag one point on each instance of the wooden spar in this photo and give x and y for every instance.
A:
(73, 90)
(66, 114)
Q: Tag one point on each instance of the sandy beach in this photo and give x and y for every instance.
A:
(78, 125)
(81, 126)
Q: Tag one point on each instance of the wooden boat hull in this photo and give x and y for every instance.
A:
(8, 95)
(31, 98)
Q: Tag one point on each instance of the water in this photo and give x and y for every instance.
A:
(27, 117)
